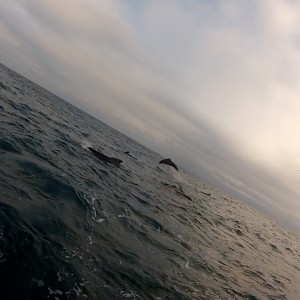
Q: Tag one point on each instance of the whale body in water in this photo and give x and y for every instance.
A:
(110, 160)
(169, 162)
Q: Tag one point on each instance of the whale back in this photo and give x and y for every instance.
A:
(110, 160)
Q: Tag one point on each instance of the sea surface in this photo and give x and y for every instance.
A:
(73, 227)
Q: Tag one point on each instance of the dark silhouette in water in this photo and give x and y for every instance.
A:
(128, 153)
(169, 162)
(207, 194)
(110, 160)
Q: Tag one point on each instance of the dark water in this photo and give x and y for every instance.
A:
(72, 227)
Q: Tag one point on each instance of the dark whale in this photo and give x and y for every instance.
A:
(168, 161)
(128, 153)
(110, 160)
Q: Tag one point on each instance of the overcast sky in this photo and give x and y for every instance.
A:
(211, 83)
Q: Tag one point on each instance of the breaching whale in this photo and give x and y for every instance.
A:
(169, 162)
(110, 160)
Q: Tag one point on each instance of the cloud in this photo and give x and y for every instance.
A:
(213, 84)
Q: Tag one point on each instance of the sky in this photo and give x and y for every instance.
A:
(211, 83)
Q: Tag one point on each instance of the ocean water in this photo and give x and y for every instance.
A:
(73, 227)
